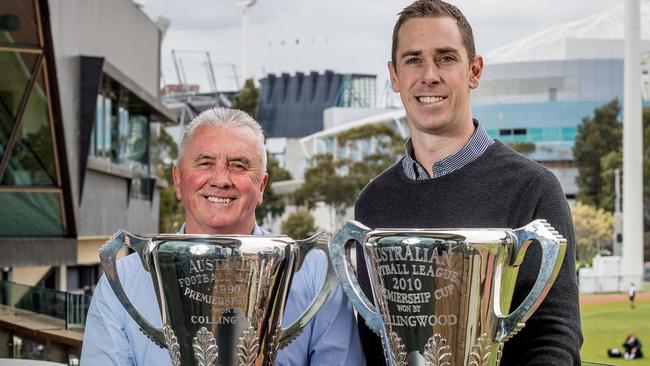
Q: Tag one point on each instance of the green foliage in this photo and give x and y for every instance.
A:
(247, 98)
(598, 135)
(606, 325)
(167, 146)
(598, 152)
(522, 147)
(323, 183)
(609, 163)
(593, 229)
(299, 225)
(172, 214)
(338, 182)
(272, 204)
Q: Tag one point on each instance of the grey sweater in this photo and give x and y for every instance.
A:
(499, 189)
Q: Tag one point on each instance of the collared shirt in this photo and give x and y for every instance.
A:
(112, 337)
(475, 147)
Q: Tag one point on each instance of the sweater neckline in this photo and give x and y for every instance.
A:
(489, 151)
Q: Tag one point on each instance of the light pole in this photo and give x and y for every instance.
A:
(245, 5)
(632, 261)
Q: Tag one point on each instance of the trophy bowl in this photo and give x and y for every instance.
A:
(221, 298)
(441, 296)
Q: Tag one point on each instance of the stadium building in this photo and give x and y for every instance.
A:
(536, 91)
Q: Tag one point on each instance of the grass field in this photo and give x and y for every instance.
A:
(606, 325)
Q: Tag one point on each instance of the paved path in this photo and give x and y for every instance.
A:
(596, 299)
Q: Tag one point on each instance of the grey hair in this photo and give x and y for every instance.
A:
(224, 117)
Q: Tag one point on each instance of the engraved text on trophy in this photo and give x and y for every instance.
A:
(419, 287)
(228, 283)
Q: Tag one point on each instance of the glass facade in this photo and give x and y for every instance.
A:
(33, 214)
(543, 102)
(122, 135)
(18, 23)
(30, 179)
(357, 91)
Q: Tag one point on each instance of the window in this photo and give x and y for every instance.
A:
(552, 134)
(552, 94)
(569, 133)
(31, 163)
(122, 135)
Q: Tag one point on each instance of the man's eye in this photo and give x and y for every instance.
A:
(412, 61)
(447, 59)
(237, 166)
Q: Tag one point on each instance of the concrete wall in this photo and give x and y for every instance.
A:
(106, 207)
(121, 33)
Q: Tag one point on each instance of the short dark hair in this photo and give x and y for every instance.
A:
(432, 9)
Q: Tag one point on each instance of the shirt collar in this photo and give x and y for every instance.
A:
(475, 147)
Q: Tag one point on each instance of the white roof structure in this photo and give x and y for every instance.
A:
(599, 36)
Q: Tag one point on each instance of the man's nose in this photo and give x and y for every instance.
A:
(220, 177)
(430, 74)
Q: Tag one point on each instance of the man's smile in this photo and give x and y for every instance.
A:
(430, 100)
(216, 199)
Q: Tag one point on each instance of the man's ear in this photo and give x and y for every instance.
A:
(394, 80)
(262, 187)
(176, 175)
(475, 70)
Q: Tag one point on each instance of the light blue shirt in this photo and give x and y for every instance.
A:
(112, 337)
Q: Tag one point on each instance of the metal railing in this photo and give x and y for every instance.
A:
(68, 307)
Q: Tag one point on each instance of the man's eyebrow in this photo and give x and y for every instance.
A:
(441, 50)
(446, 50)
(410, 53)
(241, 158)
(204, 157)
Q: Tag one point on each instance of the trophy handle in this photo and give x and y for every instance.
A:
(339, 251)
(318, 241)
(107, 255)
(553, 250)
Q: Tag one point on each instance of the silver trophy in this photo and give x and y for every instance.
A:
(442, 295)
(221, 298)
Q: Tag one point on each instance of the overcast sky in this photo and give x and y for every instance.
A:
(347, 36)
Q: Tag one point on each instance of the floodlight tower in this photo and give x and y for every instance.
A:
(245, 5)
(632, 261)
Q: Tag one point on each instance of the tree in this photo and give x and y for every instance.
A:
(593, 229)
(597, 136)
(299, 225)
(272, 204)
(525, 148)
(172, 214)
(614, 160)
(247, 98)
(385, 144)
(609, 163)
(337, 182)
(324, 183)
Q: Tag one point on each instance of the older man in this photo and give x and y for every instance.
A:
(219, 176)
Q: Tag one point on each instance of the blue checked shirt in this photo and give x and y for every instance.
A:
(475, 147)
(112, 337)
